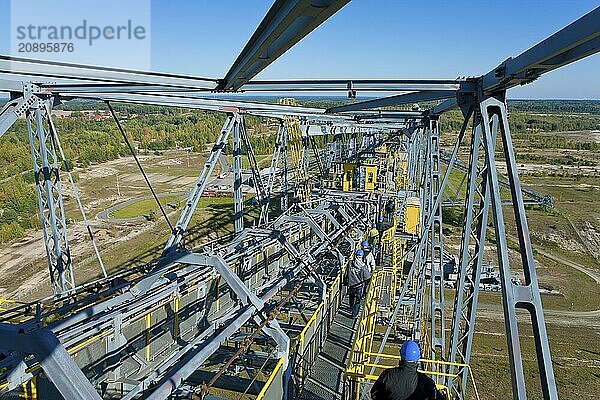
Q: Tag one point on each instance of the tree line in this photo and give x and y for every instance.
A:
(154, 129)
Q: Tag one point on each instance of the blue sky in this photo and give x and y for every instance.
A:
(370, 39)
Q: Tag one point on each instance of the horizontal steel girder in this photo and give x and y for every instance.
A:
(343, 85)
(406, 98)
(54, 69)
(286, 23)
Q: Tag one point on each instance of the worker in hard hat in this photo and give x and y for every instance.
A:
(389, 210)
(373, 236)
(358, 276)
(368, 258)
(404, 381)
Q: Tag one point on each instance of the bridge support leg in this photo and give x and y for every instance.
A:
(477, 202)
(273, 172)
(196, 193)
(284, 173)
(437, 335)
(50, 202)
(515, 296)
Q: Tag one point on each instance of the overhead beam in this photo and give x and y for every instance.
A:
(577, 40)
(342, 85)
(286, 23)
(197, 103)
(81, 72)
(443, 107)
(391, 115)
(406, 98)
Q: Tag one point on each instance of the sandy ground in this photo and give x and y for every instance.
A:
(23, 267)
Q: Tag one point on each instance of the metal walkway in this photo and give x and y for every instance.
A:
(326, 378)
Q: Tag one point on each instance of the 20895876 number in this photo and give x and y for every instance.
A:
(28, 47)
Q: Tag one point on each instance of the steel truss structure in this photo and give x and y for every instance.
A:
(268, 294)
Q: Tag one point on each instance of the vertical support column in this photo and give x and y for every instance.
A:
(515, 296)
(331, 156)
(413, 162)
(436, 250)
(284, 172)
(365, 142)
(238, 199)
(477, 202)
(50, 201)
(420, 260)
(353, 143)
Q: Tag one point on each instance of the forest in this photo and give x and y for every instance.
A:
(154, 129)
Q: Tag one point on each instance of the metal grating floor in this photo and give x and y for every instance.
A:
(325, 381)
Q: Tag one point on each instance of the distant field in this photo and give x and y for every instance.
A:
(142, 207)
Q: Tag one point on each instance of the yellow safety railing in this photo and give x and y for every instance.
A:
(383, 281)
(439, 364)
(8, 304)
(306, 347)
(364, 361)
(268, 384)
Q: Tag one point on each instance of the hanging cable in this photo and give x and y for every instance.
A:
(162, 210)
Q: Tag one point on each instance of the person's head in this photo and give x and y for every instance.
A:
(410, 352)
(360, 253)
(374, 225)
(364, 244)
(380, 219)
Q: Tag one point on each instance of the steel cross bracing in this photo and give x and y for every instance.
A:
(529, 196)
(200, 184)
(112, 313)
(472, 246)
(435, 256)
(485, 94)
(42, 142)
(257, 179)
(274, 172)
(238, 198)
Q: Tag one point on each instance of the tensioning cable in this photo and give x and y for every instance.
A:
(162, 210)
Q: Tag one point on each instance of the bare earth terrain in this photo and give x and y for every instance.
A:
(566, 241)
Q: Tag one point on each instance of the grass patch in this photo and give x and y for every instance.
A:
(575, 357)
(142, 207)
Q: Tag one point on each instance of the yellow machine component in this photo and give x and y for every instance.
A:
(370, 177)
(411, 215)
(348, 177)
(401, 169)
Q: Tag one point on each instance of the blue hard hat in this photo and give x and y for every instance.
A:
(410, 351)
(359, 252)
(374, 225)
(380, 219)
(364, 243)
